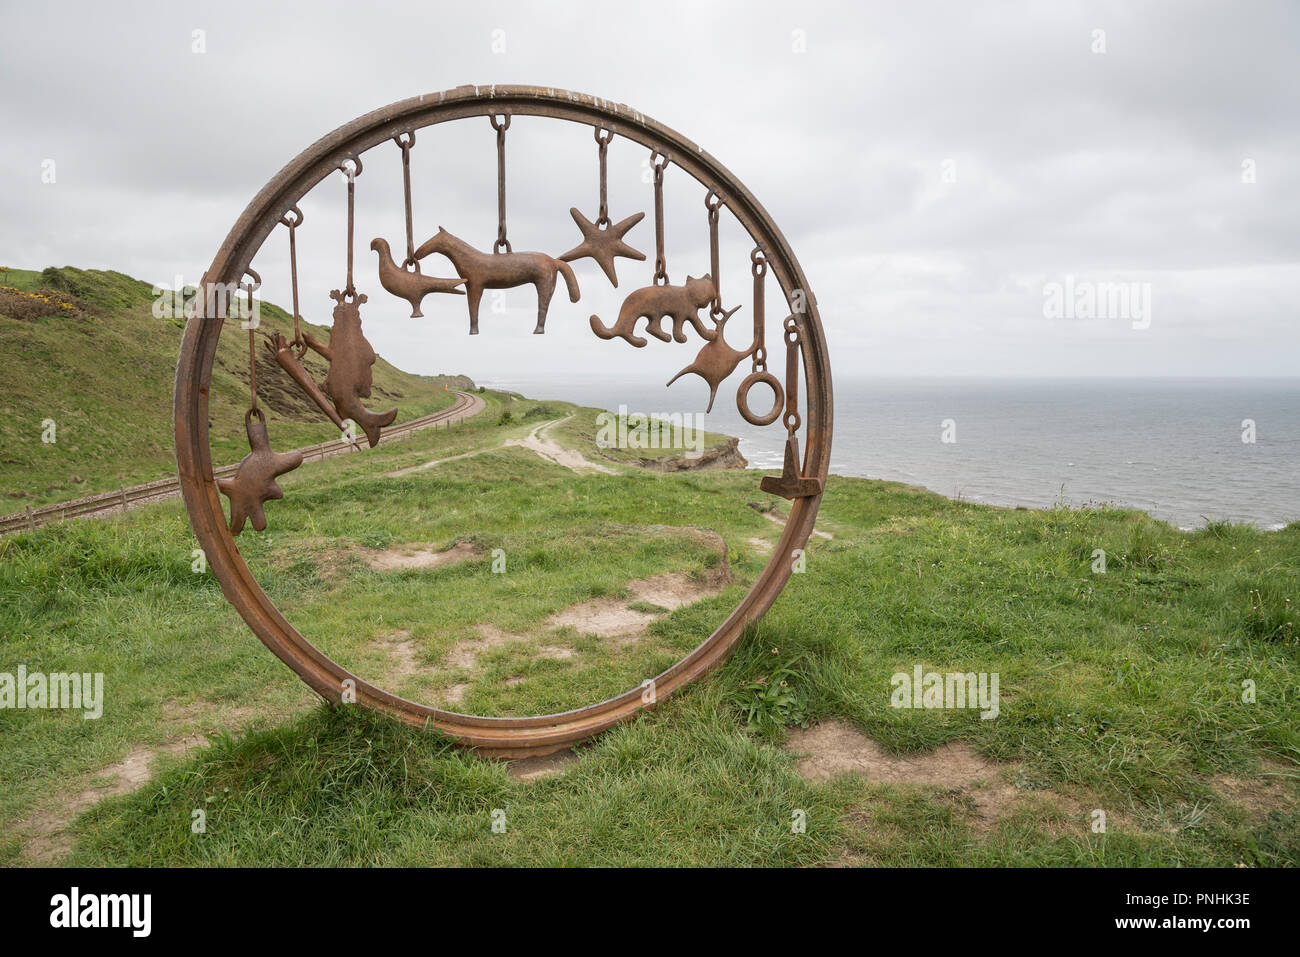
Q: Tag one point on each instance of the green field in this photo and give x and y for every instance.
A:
(1120, 692)
(103, 371)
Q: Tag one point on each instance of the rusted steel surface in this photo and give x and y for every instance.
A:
(254, 483)
(350, 357)
(500, 270)
(281, 350)
(716, 360)
(681, 304)
(540, 734)
(411, 284)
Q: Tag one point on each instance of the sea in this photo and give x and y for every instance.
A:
(1184, 450)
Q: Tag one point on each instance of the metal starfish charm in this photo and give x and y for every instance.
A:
(254, 483)
(603, 243)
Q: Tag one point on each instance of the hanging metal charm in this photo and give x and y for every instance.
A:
(501, 271)
(792, 483)
(601, 240)
(288, 358)
(759, 373)
(254, 482)
(716, 360)
(681, 304)
(405, 281)
(349, 352)
(350, 357)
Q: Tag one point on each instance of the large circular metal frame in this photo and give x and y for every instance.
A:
(500, 736)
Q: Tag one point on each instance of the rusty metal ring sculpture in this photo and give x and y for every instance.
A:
(802, 481)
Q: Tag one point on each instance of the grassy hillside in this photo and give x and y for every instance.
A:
(82, 347)
(1120, 691)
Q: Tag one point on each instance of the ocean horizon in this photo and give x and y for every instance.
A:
(1184, 450)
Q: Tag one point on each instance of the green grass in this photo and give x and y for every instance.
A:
(1120, 691)
(105, 377)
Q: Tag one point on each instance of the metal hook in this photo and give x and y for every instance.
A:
(355, 160)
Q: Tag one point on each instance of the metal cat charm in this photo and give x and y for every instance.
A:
(656, 303)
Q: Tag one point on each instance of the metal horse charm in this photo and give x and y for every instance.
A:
(656, 303)
(501, 271)
(411, 286)
(350, 357)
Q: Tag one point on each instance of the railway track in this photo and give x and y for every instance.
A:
(133, 496)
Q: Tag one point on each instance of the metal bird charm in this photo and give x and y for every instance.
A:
(254, 482)
(411, 286)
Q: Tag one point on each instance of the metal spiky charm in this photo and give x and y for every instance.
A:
(603, 243)
(254, 482)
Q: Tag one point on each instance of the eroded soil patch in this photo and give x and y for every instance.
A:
(978, 785)
(402, 557)
(548, 765)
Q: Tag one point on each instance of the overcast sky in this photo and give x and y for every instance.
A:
(935, 166)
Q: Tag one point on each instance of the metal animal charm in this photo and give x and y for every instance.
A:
(716, 360)
(254, 482)
(281, 350)
(501, 271)
(603, 243)
(655, 303)
(411, 286)
(350, 357)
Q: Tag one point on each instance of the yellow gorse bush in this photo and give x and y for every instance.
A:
(40, 297)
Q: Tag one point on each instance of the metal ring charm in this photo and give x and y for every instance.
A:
(742, 398)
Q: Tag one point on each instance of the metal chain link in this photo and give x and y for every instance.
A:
(602, 219)
(293, 219)
(713, 202)
(351, 173)
(501, 126)
(792, 337)
(758, 267)
(658, 162)
(405, 145)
